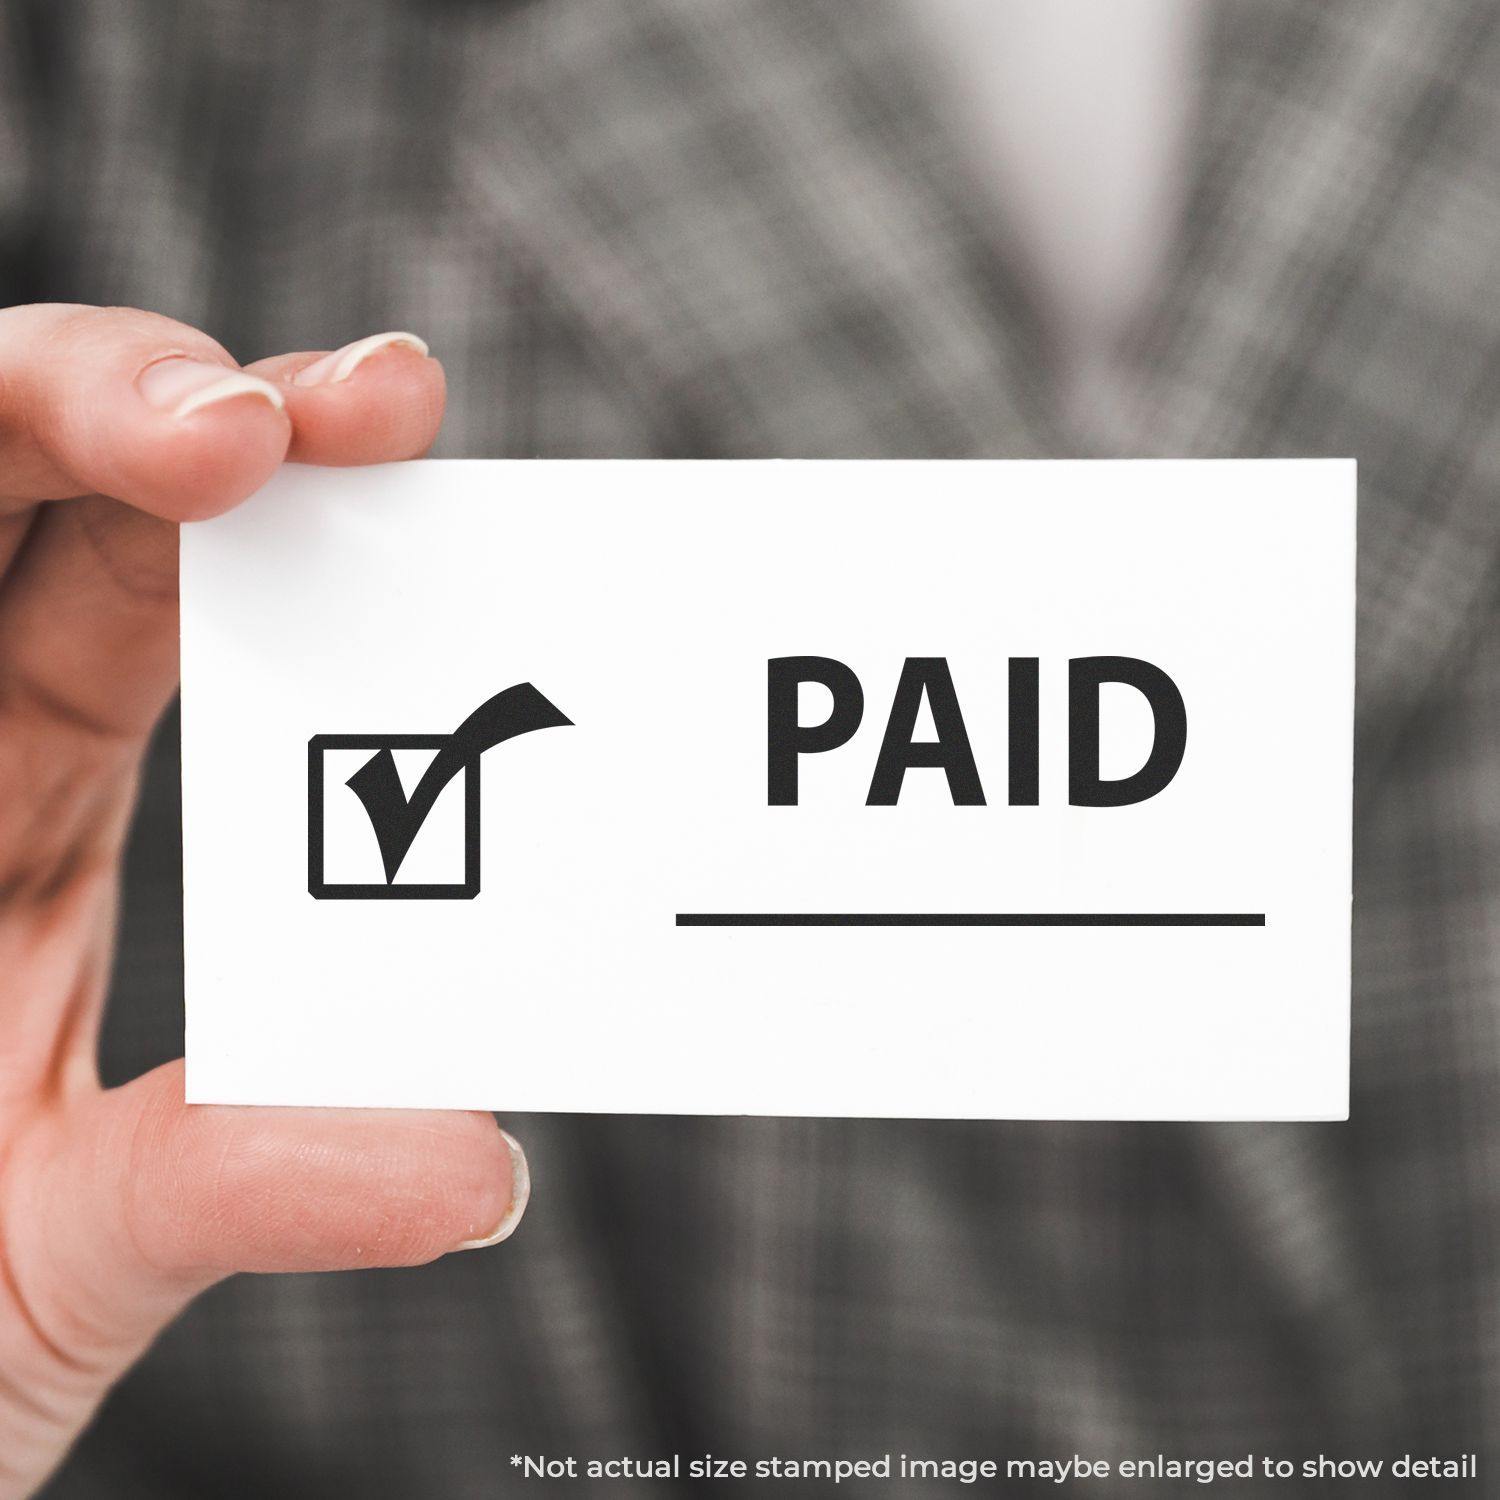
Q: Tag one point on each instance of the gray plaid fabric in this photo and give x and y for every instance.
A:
(735, 227)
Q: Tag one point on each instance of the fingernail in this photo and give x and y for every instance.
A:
(520, 1193)
(342, 363)
(182, 386)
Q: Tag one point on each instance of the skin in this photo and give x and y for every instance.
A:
(118, 1206)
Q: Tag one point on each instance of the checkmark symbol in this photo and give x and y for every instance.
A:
(396, 818)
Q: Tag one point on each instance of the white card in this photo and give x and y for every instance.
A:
(657, 787)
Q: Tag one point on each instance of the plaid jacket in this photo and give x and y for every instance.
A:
(736, 227)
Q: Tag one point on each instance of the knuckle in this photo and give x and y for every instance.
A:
(151, 1219)
(76, 330)
(80, 330)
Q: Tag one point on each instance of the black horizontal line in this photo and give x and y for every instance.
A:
(971, 919)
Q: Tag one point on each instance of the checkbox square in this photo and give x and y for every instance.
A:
(323, 890)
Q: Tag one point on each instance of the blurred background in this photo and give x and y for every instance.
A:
(903, 228)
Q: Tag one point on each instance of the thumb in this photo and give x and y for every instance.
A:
(119, 1209)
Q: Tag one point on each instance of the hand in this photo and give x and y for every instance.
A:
(118, 1206)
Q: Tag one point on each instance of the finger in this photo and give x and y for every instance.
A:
(374, 401)
(136, 1202)
(89, 616)
(121, 402)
